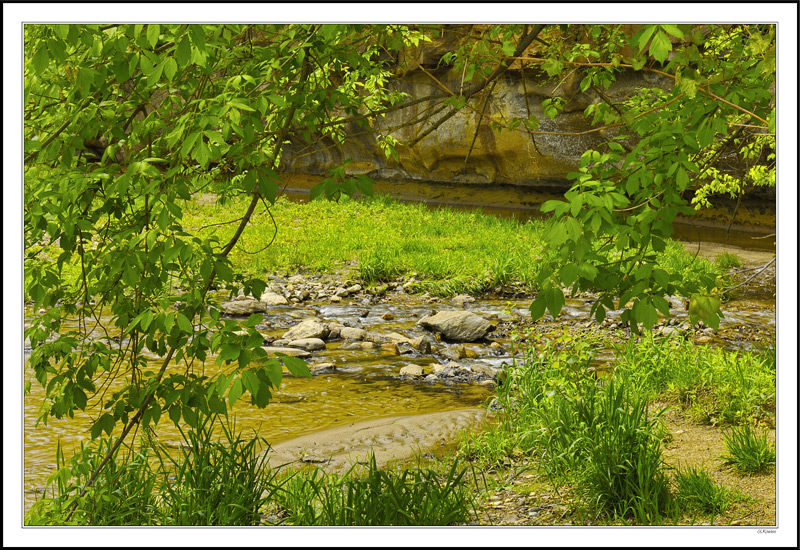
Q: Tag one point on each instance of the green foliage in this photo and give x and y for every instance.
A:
(714, 385)
(124, 125)
(124, 494)
(617, 216)
(748, 452)
(416, 496)
(625, 472)
(210, 481)
(601, 436)
(726, 260)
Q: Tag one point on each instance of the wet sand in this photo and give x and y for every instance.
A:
(395, 438)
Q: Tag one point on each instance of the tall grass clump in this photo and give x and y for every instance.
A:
(124, 493)
(211, 481)
(625, 472)
(415, 496)
(697, 492)
(599, 436)
(216, 481)
(748, 452)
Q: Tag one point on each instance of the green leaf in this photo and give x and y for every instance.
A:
(549, 206)
(228, 352)
(224, 271)
(40, 60)
(170, 68)
(251, 382)
(537, 307)
(644, 312)
(587, 271)
(153, 32)
(364, 184)
(79, 397)
(183, 53)
(645, 35)
(660, 46)
(104, 424)
(296, 366)
(569, 272)
(274, 372)
(183, 323)
(706, 308)
(673, 30)
(236, 392)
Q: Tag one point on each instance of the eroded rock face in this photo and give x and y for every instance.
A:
(457, 326)
(505, 157)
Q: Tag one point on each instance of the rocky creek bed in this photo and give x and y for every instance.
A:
(340, 326)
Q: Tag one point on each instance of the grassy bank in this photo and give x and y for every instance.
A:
(602, 441)
(448, 251)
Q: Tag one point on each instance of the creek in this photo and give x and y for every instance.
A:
(355, 383)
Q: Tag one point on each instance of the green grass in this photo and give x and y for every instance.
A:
(716, 386)
(697, 492)
(381, 239)
(748, 452)
(603, 437)
(403, 497)
(224, 480)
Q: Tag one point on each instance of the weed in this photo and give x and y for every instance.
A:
(697, 492)
(726, 260)
(414, 496)
(748, 452)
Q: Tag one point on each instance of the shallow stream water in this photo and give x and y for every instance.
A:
(362, 385)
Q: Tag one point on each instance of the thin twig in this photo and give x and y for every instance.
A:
(753, 276)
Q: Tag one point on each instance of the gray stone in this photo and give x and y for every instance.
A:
(308, 344)
(308, 328)
(247, 306)
(462, 299)
(273, 299)
(293, 352)
(455, 352)
(669, 332)
(457, 326)
(349, 333)
(411, 370)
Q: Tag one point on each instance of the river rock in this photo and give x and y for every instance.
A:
(273, 299)
(421, 344)
(390, 347)
(483, 371)
(457, 326)
(292, 352)
(308, 344)
(462, 299)
(243, 307)
(308, 328)
(411, 370)
(350, 333)
(455, 352)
